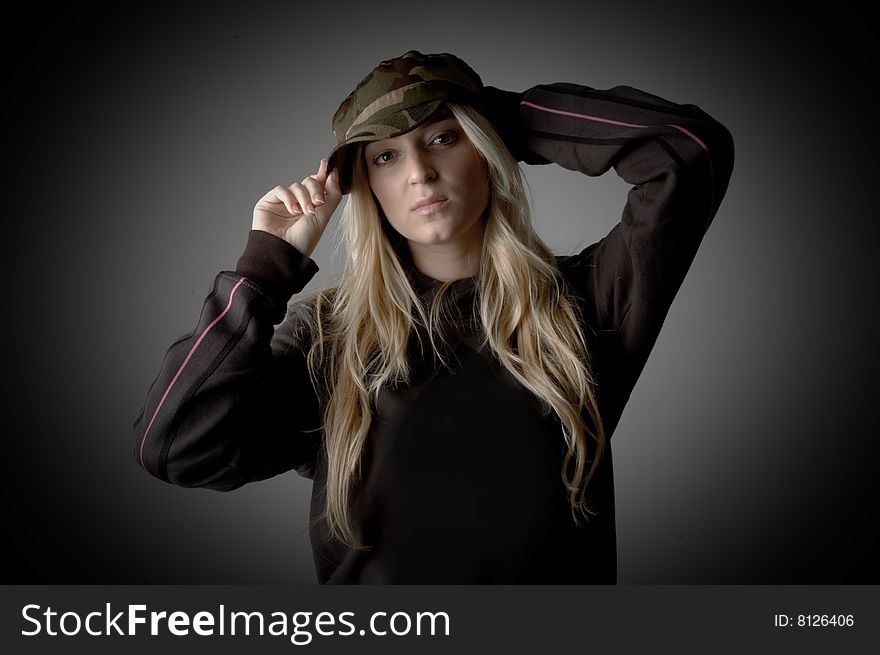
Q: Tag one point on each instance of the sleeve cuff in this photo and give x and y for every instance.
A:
(274, 265)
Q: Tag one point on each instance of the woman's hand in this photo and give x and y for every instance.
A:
(299, 213)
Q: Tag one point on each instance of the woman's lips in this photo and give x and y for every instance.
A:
(430, 207)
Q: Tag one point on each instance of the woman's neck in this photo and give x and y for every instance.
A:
(454, 260)
(446, 262)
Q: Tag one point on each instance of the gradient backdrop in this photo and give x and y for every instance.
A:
(141, 139)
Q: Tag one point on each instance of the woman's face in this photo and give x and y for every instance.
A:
(431, 183)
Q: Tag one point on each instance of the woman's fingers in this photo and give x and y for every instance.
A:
(315, 184)
(332, 192)
(281, 195)
(299, 213)
(310, 193)
(321, 175)
(303, 197)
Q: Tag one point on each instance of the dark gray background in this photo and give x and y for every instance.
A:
(140, 140)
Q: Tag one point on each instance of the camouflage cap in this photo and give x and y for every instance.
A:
(397, 96)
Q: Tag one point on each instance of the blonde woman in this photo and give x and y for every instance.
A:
(454, 396)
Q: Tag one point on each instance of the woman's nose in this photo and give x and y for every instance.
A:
(420, 168)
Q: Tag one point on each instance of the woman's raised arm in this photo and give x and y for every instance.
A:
(679, 161)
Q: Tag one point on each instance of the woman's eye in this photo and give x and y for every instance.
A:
(445, 138)
(382, 158)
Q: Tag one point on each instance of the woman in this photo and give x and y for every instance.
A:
(453, 397)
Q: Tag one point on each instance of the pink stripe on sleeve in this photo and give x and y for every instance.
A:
(183, 365)
(608, 121)
(576, 115)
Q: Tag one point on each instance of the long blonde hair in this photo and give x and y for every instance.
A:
(363, 327)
